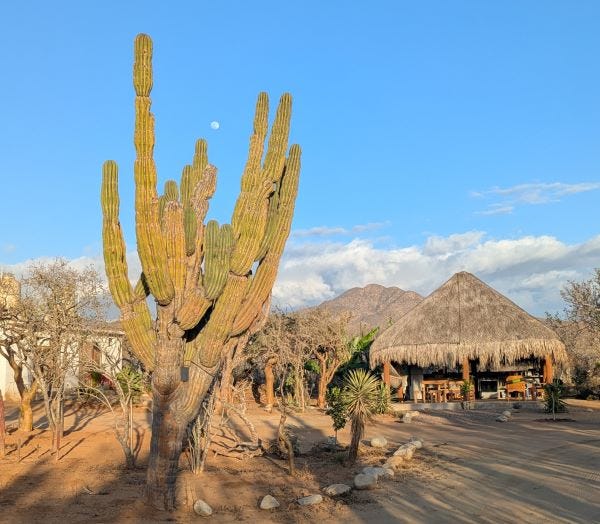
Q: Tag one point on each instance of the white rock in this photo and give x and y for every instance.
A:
(310, 500)
(362, 481)
(378, 442)
(407, 418)
(337, 489)
(414, 413)
(202, 508)
(406, 450)
(507, 413)
(417, 442)
(269, 502)
(501, 418)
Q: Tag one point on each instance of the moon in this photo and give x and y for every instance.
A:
(215, 125)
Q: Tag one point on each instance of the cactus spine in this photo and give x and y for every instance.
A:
(200, 275)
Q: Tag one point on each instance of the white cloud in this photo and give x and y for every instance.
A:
(529, 270)
(8, 248)
(530, 194)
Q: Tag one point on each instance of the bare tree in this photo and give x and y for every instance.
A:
(11, 339)
(58, 310)
(326, 336)
(126, 384)
(583, 302)
(580, 330)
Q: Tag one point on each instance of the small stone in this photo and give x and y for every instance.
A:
(269, 502)
(337, 489)
(202, 508)
(362, 481)
(378, 442)
(407, 418)
(417, 442)
(507, 413)
(310, 500)
(394, 462)
(376, 471)
(589, 410)
(414, 413)
(501, 418)
(406, 450)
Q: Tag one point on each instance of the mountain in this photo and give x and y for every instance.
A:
(372, 306)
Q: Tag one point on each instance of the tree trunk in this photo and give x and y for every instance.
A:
(269, 384)
(357, 430)
(322, 384)
(168, 432)
(26, 413)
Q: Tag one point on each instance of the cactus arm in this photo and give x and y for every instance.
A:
(218, 243)
(207, 347)
(175, 246)
(115, 260)
(262, 283)
(150, 242)
(250, 212)
(137, 323)
(189, 179)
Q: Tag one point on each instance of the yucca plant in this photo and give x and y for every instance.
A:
(553, 393)
(360, 399)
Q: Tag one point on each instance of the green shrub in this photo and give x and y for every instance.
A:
(336, 408)
(383, 400)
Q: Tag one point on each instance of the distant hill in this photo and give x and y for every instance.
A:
(372, 306)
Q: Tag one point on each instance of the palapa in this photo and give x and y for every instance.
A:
(466, 318)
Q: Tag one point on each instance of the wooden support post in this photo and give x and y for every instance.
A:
(386, 374)
(548, 370)
(466, 369)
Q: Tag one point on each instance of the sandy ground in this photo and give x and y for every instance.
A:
(471, 469)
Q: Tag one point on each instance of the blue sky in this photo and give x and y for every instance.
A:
(436, 136)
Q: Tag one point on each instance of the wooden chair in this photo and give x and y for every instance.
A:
(515, 384)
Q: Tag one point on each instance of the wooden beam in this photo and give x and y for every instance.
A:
(548, 369)
(466, 369)
(386, 374)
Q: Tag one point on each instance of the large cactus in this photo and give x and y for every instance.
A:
(208, 299)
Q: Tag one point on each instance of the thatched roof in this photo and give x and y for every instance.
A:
(465, 318)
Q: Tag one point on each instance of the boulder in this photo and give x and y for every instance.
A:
(407, 418)
(378, 471)
(310, 500)
(337, 489)
(202, 508)
(507, 413)
(501, 418)
(406, 450)
(378, 442)
(269, 502)
(362, 481)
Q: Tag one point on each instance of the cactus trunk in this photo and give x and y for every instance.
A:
(208, 299)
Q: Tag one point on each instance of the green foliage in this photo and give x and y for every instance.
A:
(383, 400)
(553, 397)
(336, 408)
(312, 365)
(465, 389)
(359, 353)
(131, 381)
